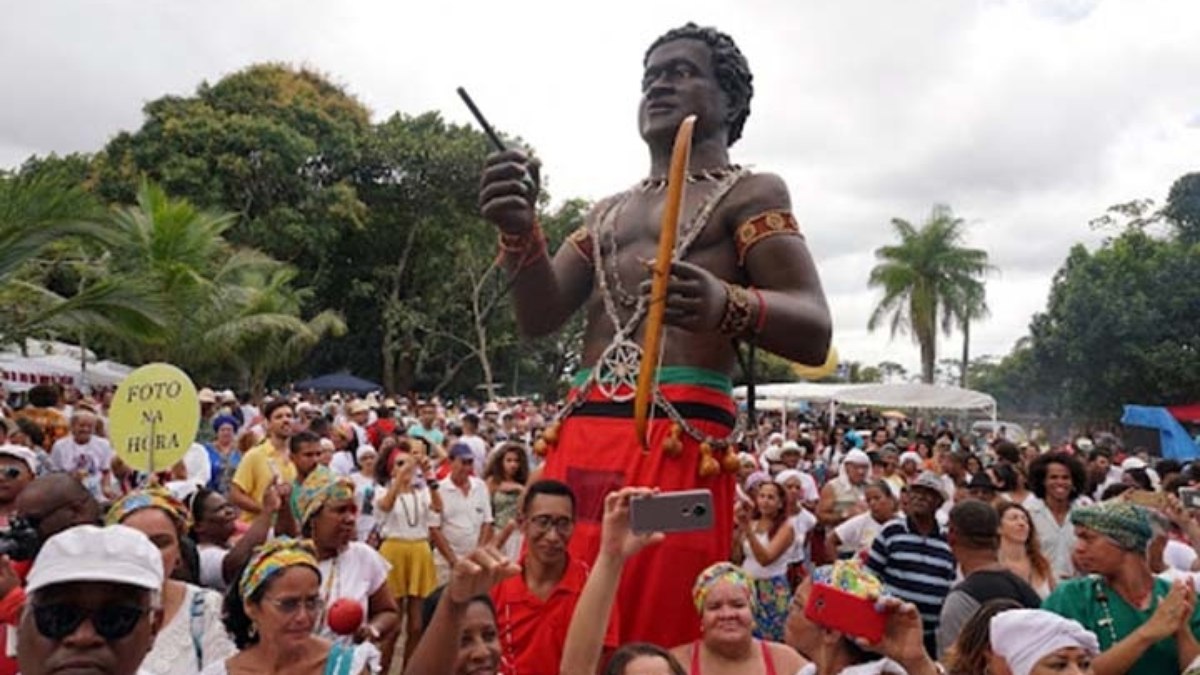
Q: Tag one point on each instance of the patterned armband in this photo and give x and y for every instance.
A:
(581, 241)
(764, 225)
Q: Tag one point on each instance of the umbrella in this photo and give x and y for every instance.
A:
(338, 382)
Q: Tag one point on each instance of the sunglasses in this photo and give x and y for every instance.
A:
(111, 622)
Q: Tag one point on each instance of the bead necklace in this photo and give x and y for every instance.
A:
(657, 183)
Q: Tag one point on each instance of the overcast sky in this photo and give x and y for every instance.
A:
(1028, 117)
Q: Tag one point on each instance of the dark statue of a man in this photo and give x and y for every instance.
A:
(741, 271)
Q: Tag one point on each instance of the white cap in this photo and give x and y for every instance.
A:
(206, 395)
(1022, 637)
(910, 456)
(87, 553)
(775, 438)
(791, 446)
(1132, 463)
(22, 453)
(364, 450)
(857, 456)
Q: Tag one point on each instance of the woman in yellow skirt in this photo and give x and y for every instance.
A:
(402, 512)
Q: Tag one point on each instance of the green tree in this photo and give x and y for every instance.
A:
(970, 306)
(276, 146)
(41, 212)
(225, 306)
(928, 273)
(891, 371)
(1183, 208)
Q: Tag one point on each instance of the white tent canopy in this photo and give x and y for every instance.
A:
(57, 363)
(907, 395)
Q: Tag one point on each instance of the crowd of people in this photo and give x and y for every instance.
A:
(349, 534)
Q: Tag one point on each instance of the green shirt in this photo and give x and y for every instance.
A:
(1078, 599)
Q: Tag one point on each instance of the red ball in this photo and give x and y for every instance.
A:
(345, 616)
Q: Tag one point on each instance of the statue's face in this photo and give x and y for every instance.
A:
(679, 80)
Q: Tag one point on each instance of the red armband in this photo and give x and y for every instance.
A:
(760, 227)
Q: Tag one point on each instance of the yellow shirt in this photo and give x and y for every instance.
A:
(259, 468)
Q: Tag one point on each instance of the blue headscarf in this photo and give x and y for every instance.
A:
(222, 420)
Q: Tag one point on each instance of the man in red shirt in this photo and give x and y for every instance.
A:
(533, 609)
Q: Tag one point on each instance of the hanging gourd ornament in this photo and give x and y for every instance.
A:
(709, 466)
(672, 445)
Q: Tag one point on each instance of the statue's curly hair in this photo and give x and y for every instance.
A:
(732, 69)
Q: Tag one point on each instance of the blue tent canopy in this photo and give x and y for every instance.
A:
(338, 382)
(1175, 442)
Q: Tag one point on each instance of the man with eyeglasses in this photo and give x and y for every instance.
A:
(94, 603)
(534, 608)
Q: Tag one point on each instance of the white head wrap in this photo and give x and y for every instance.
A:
(857, 456)
(1022, 637)
(788, 474)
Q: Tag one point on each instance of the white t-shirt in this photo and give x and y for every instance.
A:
(212, 559)
(759, 571)
(342, 463)
(356, 573)
(365, 491)
(1178, 555)
(174, 651)
(92, 459)
(802, 523)
(463, 515)
(857, 533)
(409, 517)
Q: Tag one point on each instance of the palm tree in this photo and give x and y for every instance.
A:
(972, 306)
(928, 272)
(227, 307)
(41, 215)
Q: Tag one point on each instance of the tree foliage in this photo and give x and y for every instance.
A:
(311, 224)
(1120, 325)
(927, 278)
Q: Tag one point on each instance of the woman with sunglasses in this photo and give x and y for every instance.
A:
(352, 571)
(272, 613)
(191, 636)
(214, 522)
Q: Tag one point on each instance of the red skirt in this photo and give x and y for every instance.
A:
(598, 452)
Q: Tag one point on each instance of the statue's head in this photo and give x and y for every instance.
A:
(695, 70)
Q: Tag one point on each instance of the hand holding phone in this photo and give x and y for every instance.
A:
(685, 511)
(838, 610)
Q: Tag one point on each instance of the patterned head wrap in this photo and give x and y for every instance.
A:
(150, 498)
(715, 574)
(275, 556)
(321, 486)
(1129, 525)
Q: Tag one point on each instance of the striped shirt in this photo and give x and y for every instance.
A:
(916, 569)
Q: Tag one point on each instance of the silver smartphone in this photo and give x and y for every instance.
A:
(1190, 498)
(685, 511)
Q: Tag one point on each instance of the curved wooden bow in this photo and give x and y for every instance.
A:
(652, 339)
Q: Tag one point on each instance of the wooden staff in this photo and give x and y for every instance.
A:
(652, 340)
